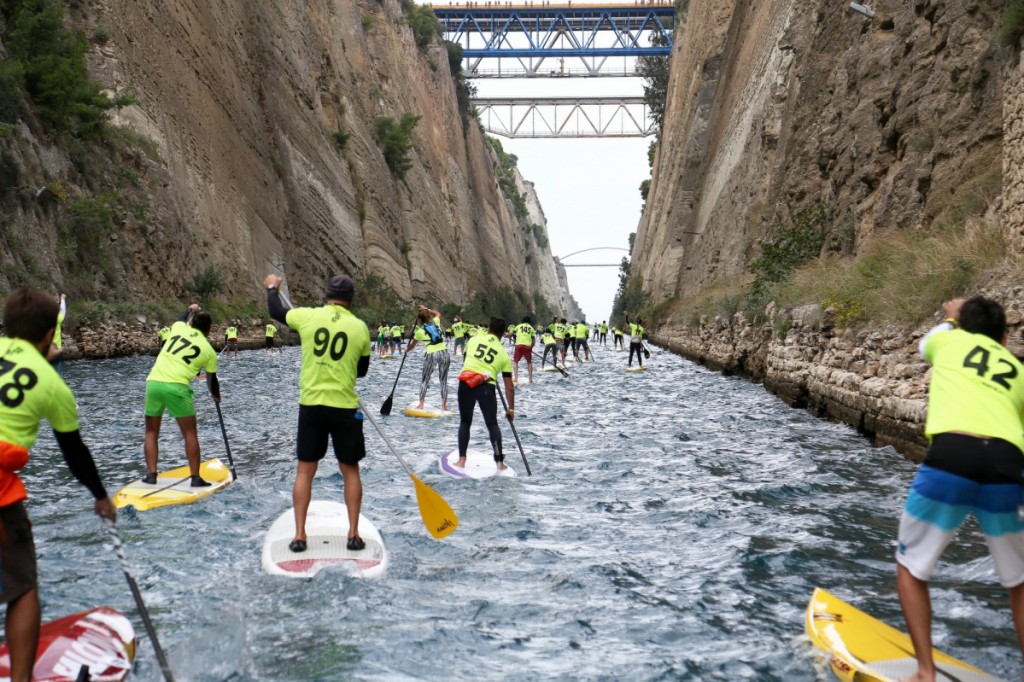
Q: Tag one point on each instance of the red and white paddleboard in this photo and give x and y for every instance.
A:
(101, 639)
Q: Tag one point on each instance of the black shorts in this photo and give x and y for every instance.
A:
(269, 343)
(17, 553)
(982, 460)
(317, 422)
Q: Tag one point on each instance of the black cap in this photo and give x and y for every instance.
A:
(340, 287)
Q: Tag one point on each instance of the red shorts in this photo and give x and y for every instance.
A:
(522, 352)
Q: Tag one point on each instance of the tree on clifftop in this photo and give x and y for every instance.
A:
(654, 71)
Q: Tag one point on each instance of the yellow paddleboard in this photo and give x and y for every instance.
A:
(174, 487)
(863, 649)
(428, 412)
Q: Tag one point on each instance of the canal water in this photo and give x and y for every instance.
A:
(673, 529)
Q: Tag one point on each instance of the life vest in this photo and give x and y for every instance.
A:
(12, 458)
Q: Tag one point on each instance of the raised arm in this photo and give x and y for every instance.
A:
(277, 309)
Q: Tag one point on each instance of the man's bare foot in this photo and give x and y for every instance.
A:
(502, 466)
(461, 463)
(420, 406)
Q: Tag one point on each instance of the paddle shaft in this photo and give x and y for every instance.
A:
(387, 441)
(224, 432)
(169, 485)
(385, 409)
(514, 432)
(143, 611)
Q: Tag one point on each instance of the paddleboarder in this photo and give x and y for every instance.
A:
(525, 339)
(30, 391)
(636, 341)
(486, 358)
(168, 388)
(268, 343)
(335, 352)
(975, 425)
(428, 326)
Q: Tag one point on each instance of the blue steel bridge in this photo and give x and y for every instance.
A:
(536, 38)
(541, 39)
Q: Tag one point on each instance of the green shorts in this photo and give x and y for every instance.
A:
(175, 398)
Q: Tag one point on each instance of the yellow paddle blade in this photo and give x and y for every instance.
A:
(437, 516)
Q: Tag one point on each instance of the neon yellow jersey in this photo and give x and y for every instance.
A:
(57, 339)
(164, 333)
(396, 331)
(604, 329)
(977, 387)
(484, 353)
(333, 341)
(547, 339)
(182, 355)
(421, 335)
(581, 330)
(31, 390)
(524, 334)
(460, 329)
(559, 330)
(511, 329)
(616, 331)
(231, 333)
(271, 330)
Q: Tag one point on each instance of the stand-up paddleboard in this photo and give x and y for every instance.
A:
(100, 639)
(326, 539)
(865, 649)
(174, 487)
(479, 464)
(427, 412)
(549, 369)
(636, 369)
(386, 356)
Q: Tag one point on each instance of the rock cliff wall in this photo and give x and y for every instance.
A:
(902, 121)
(246, 104)
(891, 122)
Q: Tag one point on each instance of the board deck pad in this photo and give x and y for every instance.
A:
(101, 639)
(174, 487)
(326, 539)
(479, 464)
(428, 411)
(863, 648)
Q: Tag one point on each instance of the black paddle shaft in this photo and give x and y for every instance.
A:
(513, 426)
(227, 448)
(385, 409)
(143, 611)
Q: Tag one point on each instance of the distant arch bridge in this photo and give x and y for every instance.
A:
(561, 259)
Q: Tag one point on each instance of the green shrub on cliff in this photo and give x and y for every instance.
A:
(51, 62)
(395, 141)
(426, 27)
(1011, 28)
(506, 172)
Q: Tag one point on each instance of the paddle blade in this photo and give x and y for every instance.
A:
(385, 409)
(647, 354)
(437, 516)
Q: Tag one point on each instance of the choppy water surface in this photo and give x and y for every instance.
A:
(674, 528)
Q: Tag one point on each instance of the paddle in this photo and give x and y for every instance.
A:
(143, 612)
(437, 515)
(514, 432)
(227, 448)
(647, 353)
(554, 363)
(385, 409)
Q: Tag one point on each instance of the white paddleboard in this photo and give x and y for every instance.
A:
(326, 538)
(636, 369)
(479, 464)
(549, 369)
(427, 412)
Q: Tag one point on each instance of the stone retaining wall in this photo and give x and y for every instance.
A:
(120, 339)
(872, 379)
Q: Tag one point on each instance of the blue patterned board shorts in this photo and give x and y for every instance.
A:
(965, 475)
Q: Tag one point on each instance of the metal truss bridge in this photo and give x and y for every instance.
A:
(547, 117)
(535, 38)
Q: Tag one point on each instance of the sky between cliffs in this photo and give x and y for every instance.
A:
(589, 188)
